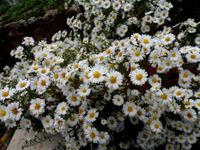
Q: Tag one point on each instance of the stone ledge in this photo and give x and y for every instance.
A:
(43, 141)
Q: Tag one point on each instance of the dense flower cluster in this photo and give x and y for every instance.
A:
(136, 91)
(111, 19)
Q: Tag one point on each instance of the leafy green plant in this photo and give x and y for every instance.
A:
(28, 8)
(3, 7)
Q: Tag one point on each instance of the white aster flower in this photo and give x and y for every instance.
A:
(116, 5)
(97, 74)
(140, 113)
(146, 41)
(174, 55)
(42, 84)
(111, 123)
(34, 68)
(28, 41)
(193, 57)
(73, 120)
(129, 109)
(190, 115)
(185, 75)
(92, 115)
(138, 76)
(168, 39)
(127, 7)
(4, 114)
(179, 93)
(103, 137)
(73, 99)
(92, 135)
(137, 55)
(83, 90)
(10, 123)
(156, 126)
(22, 85)
(59, 123)
(25, 123)
(197, 104)
(62, 108)
(47, 121)
(164, 96)
(37, 106)
(118, 100)
(14, 110)
(114, 80)
(43, 71)
(6, 93)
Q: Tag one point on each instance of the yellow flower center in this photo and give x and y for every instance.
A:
(5, 93)
(45, 55)
(23, 84)
(163, 96)
(47, 121)
(76, 66)
(43, 71)
(168, 63)
(148, 122)
(179, 93)
(136, 36)
(37, 106)
(43, 82)
(198, 94)
(56, 76)
(155, 117)
(193, 56)
(186, 75)
(187, 103)
(189, 115)
(15, 111)
(154, 80)
(108, 51)
(60, 122)
(133, 68)
(167, 39)
(160, 68)
(130, 109)
(72, 118)
(74, 98)
(63, 74)
(91, 115)
(174, 54)
(92, 135)
(139, 113)
(113, 79)
(145, 49)
(101, 58)
(63, 108)
(35, 68)
(157, 126)
(2, 113)
(137, 53)
(139, 76)
(198, 104)
(84, 90)
(146, 41)
(120, 54)
(96, 74)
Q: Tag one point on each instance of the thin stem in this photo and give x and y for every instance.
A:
(91, 146)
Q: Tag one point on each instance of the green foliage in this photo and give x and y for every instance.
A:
(28, 8)
(3, 7)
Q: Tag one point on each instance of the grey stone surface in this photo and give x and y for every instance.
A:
(22, 140)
